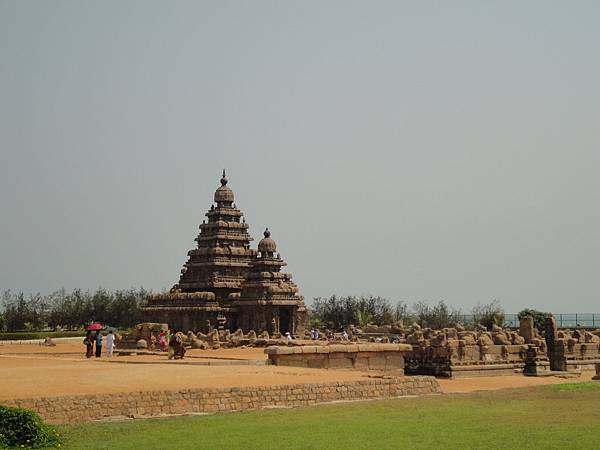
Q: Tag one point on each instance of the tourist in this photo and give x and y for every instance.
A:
(98, 344)
(162, 341)
(172, 342)
(288, 336)
(344, 336)
(110, 344)
(313, 334)
(89, 344)
(178, 345)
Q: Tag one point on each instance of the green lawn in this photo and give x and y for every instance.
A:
(553, 417)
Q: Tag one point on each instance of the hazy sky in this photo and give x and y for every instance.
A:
(414, 150)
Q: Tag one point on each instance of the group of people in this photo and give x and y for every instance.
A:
(173, 343)
(96, 339)
(330, 336)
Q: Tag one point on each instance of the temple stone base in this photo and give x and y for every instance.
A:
(379, 357)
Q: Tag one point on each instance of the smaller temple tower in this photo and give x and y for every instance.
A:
(270, 300)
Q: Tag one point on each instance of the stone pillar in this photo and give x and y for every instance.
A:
(526, 329)
(597, 377)
(550, 328)
(556, 347)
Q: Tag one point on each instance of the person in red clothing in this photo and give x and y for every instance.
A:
(88, 340)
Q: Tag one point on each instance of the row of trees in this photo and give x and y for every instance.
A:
(338, 312)
(121, 308)
(70, 310)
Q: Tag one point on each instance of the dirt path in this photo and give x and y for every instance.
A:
(505, 382)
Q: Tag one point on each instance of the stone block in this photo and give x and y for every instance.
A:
(340, 363)
(316, 363)
(337, 348)
(367, 348)
(307, 349)
(377, 363)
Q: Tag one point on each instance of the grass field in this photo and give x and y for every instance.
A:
(549, 417)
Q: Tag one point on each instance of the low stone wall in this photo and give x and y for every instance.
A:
(155, 403)
(457, 358)
(571, 357)
(380, 357)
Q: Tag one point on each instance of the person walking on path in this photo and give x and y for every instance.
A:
(88, 340)
(110, 343)
(98, 344)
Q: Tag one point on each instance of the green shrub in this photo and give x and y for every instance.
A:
(23, 336)
(22, 427)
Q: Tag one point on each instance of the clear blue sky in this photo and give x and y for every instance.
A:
(415, 150)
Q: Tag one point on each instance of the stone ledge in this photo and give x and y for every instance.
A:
(71, 409)
(336, 348)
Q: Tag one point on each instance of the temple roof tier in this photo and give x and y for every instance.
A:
(224, 212)
(211, 308)
(224, 236)
(217, 263)
(208, 226)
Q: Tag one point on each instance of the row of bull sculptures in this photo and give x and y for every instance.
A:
(446, 352)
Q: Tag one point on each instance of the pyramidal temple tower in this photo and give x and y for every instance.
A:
(269, 297)
(222, 258)
(226, 283)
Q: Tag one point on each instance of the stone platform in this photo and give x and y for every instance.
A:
(379, 357)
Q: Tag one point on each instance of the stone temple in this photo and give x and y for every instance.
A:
(228, 285)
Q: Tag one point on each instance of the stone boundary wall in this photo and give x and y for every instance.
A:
(71, 409)
(380, 357)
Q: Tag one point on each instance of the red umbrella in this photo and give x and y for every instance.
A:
(94, 326)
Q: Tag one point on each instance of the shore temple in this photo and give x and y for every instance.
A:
(226, 284)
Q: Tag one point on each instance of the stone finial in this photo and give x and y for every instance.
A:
(267, 246)
(223, 179)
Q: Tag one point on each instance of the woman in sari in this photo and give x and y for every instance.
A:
(162, 341)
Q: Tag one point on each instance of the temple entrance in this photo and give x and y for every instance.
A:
(284, 321)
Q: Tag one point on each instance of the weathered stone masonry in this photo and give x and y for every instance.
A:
(90, 407)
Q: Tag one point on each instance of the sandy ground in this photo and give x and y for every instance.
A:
(30, 370)
(76, 350)
(505, 382)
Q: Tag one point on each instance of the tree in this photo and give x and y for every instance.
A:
(401, 312)
(338, 312)
(437, 316)
(538, 317)
(2, 322)
(489, 314)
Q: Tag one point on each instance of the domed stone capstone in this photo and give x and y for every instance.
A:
(223, 194)
(266, 244)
